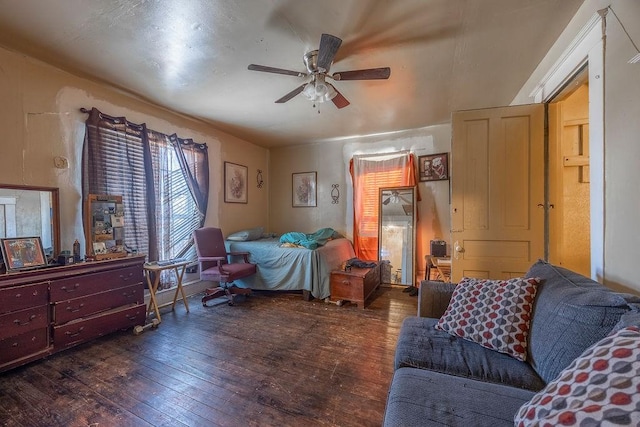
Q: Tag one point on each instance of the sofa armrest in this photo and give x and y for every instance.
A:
(433, 298)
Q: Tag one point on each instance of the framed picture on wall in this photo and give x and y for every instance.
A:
(304, 189)
(434, 167)
(22, 253)
(235, 183)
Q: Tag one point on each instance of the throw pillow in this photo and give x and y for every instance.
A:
(600, 387)
(246, 235)
(492, 313)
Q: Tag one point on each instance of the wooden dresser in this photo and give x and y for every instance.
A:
(355, 285)
(48, 310)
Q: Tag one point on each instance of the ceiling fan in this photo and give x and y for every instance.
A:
(396, 197)
(318, 63)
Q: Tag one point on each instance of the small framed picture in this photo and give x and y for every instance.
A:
(304, 189)
(22, 253)
(235, 183)
(434, 167)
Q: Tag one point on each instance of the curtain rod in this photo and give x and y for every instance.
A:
(389, 154)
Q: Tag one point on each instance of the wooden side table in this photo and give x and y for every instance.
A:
(355, 285)
(155, 267)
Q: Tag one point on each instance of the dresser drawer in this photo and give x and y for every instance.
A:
(23, 345)
(65, 311)
(75, 332)
(75, 287)
(22, 321)
(19, 297)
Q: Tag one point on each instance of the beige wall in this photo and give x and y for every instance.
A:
(331, 161)
(40, 118)
(621, 229)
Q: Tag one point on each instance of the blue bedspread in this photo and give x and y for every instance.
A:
(286, 268)
(308, 240)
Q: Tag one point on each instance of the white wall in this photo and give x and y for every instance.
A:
(41, 119)
(621, 150)
(331, 161)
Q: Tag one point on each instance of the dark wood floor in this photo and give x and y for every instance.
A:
(272, 360)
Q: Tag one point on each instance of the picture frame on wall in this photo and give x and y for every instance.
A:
(235, 183)
(22, 253)
(433, 167)
(304, 191)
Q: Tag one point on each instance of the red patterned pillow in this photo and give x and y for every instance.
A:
(600, 387)
(492, 313)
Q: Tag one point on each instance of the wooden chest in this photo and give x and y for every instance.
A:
(355, 285)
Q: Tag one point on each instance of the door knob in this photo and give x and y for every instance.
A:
(457, 250)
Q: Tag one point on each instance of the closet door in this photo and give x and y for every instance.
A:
(497, 191)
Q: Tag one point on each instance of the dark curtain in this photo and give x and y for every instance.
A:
(194, 163)
(127, 150)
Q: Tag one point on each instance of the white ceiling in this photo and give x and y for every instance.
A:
(191, 56)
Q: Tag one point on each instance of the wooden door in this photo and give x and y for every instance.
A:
(497, 191)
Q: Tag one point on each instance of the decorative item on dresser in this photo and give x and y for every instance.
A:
(48, 310)
(104, 226)
(354, 284)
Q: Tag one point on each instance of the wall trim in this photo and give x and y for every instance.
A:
(587, 48)
(570, 61)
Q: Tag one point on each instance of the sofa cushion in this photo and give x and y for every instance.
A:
(492, 313)
(602, 386)
(421, 345)
(571, 313)
(420, 397)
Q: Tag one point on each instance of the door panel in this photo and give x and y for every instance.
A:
(497, 183)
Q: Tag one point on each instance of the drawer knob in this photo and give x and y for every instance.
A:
(76, 309)
(72, 289)
(74, 334)
(20, 323)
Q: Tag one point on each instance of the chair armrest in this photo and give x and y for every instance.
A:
(245, 255)
(433, 298)
(212, 258)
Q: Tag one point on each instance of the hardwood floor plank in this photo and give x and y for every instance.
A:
(270, 360)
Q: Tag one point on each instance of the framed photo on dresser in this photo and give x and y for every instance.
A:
(22, 253)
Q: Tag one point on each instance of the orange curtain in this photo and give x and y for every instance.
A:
(369, 173)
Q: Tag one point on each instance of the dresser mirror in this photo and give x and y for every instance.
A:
(28, 211)
(396, 232)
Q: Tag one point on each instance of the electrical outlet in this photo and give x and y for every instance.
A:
(61, 162)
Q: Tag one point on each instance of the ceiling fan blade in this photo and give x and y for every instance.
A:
(254, 67)
(329, 46)
(339, 100)
(368, 74)
(291, 94)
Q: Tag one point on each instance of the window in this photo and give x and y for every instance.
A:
(163, 181)
(369, 174)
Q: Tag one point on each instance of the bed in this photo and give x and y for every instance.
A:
(292, 268)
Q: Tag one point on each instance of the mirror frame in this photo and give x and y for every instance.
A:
(55, 207)
(413, 189)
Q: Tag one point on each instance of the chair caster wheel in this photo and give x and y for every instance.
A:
(230, 303)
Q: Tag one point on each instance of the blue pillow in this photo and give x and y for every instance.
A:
(246, 235)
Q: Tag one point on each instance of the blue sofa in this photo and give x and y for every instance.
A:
(441, 379)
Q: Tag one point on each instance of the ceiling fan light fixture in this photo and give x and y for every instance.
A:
(319, 91)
